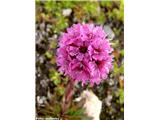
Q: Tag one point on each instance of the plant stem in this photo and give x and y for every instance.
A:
(68, 95)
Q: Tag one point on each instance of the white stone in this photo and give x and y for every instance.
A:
(92, 104)
(66, 12)
(108, 100)
(109, 32)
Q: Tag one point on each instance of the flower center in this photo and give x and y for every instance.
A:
(97, 62)
(83, 49)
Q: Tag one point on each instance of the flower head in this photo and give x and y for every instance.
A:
(84, 53)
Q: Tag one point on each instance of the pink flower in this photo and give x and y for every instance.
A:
(84, 53)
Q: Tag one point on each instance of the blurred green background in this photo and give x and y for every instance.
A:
(52, 18)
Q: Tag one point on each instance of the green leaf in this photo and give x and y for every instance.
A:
(121, 96)
(56, 81)
(118, 70)
(122, 52)
(57, 109)
(48, 54)
(121, 69)
(55, 77)
(107, 4)
(101, 18)
(60, 90)
(49, 5)
(75, 112)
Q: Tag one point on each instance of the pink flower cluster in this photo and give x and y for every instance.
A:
(84, 53)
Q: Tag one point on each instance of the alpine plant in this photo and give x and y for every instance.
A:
(84, 53)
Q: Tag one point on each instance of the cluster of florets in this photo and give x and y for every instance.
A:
(84, 53)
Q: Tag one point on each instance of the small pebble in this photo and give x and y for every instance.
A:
(108, 100)
(66, 12)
